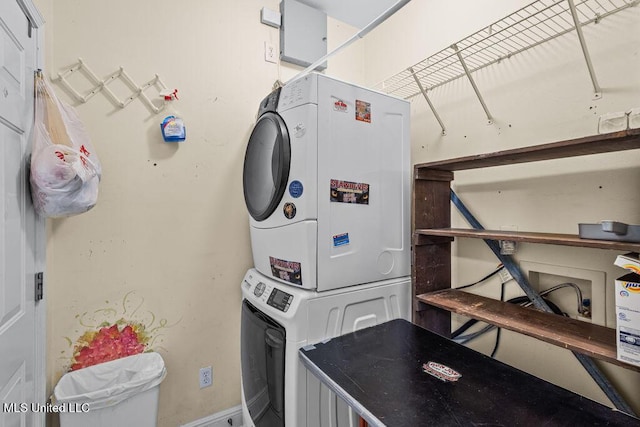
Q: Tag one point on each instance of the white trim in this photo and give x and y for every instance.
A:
(32, 12)
(220, 419)
(40, 363)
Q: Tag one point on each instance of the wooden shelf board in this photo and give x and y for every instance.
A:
(615, 141)
(530, 237)
(582, 337)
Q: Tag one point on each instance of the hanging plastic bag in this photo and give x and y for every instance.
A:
(65, 170)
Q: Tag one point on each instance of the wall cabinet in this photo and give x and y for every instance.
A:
(432, 236)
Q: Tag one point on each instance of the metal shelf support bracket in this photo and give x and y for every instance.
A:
(585, 51)
(426, 97)
(473, 83)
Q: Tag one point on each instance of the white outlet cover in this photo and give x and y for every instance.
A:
(270, 53)
(206, 377)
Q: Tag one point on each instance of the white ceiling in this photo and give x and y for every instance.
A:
(353, 12)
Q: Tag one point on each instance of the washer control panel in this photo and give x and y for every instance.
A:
(259, 290)
(280, 299)
(268, 293)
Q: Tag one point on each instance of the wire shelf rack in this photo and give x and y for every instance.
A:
(537, 23)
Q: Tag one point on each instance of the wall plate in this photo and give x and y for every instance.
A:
(592, 283)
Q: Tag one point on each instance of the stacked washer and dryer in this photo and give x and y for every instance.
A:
(326, 183)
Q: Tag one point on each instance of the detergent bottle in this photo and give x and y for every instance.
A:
(173, 128)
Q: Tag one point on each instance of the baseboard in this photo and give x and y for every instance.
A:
(231, 417)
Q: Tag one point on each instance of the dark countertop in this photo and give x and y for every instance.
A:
(378, 371)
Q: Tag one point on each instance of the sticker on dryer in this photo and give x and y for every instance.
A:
(295, 189)
(289, 210)
(340, 240)
(340, 105)
(363, 111)
(289, 271)
(299, 130)
(349, 192)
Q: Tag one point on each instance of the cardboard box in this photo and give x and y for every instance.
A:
(628, 310)
(629, 262)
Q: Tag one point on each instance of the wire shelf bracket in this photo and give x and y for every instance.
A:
(473, 83)
(528, 27)
(426, 97)
(585, 51)
(101, 85)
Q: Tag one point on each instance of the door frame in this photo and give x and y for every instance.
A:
(36, 22)
(33, 15)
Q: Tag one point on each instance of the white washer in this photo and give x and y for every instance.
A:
(327, 183)
(277, 320)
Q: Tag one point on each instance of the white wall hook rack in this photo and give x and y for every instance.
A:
(101, 85)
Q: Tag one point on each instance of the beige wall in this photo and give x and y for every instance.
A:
(168, 244)
(539, 96)
(168, 240)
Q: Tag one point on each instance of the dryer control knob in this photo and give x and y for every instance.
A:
(259, 290)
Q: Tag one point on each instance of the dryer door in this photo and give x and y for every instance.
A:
(266, 166)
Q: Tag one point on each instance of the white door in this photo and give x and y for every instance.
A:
(21, 334)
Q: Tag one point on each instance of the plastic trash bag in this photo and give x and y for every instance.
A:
(65, 170)
(107, 384)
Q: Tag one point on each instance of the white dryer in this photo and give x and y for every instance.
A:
(277, 320)
(327, 184)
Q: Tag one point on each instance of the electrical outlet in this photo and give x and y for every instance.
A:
(505, 276)
(270, 53)
(206, 377)
(508, 247)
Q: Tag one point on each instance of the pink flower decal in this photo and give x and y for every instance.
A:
(108, 343)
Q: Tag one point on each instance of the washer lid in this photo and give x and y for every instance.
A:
(266, 166)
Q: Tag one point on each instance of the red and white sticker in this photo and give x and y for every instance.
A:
(340, 106)
(441, 372)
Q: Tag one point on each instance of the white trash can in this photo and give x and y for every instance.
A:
(123, 392)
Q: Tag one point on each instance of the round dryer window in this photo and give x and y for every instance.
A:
(266, 166)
